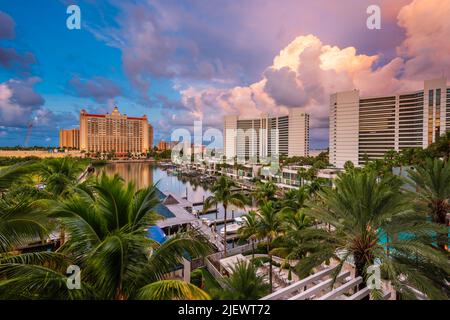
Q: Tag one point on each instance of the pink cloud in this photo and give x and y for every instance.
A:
(306, 71)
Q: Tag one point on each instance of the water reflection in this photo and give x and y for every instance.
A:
(143, 174)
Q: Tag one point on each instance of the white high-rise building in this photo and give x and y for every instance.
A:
(368, 127)
(262, 137)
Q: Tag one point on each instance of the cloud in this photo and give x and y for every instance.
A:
(303, 75)
(427, 44)
(7, 26)
(18, 101)
(98, 88)
(10, 58)
(306, 71)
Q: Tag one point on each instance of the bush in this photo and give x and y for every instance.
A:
(197, 278)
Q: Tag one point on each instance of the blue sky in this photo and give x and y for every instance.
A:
(180, 61)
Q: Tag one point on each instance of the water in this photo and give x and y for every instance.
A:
(144, 173)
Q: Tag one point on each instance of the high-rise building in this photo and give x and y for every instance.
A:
(163, 145)
(265, 136)
(114, 132)
(367, 127)
(150, 137)
(69, 138)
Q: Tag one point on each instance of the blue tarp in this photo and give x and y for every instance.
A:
(156, 233)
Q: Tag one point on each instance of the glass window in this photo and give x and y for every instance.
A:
(438, 97)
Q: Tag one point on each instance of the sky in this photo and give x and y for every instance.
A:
(188, 60)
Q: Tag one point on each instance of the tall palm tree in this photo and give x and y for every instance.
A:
(60, 176)
(249, 230)
(244, 283)
(223, 192)
(432, 182)
(363, 209)
(269, 228)
(289, 244)
(108, 242)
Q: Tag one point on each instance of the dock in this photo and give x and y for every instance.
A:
(220, 221)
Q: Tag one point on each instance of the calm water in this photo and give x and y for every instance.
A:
(143, 174)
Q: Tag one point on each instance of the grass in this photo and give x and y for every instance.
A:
(210, 284)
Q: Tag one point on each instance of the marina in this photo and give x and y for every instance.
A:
(182, 199)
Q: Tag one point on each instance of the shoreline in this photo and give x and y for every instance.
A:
(133, 161)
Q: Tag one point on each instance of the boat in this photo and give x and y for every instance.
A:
(233, 228)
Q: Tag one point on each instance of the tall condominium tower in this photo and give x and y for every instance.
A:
(114, 132)
(368, 127)
(266, 136)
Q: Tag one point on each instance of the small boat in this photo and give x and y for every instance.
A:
(233, 228)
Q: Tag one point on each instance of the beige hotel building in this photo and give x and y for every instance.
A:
(115, 132)
(363, 127)
(69, 138)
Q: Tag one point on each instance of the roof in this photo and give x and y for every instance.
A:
(229, 262)
(170, 200)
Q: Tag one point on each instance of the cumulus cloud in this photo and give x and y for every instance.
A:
(427, 44)
(307, 71)
(18, 101)
(98, 88)
(303, 75)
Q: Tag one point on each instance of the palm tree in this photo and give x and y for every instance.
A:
(21, 222)
(265, 192)
(249, 230)
(289, 244)
(363, 209)
(223, 193)
(244, 283)
(269, 227)
(432, 182)
(441, 147)
(295, 199)
(13, 174)
(108, 242)
(21, 219)
(60, 175)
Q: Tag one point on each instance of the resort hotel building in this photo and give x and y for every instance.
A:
(367, 127)
(266, 136)
(115, 132)
(105, 133)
